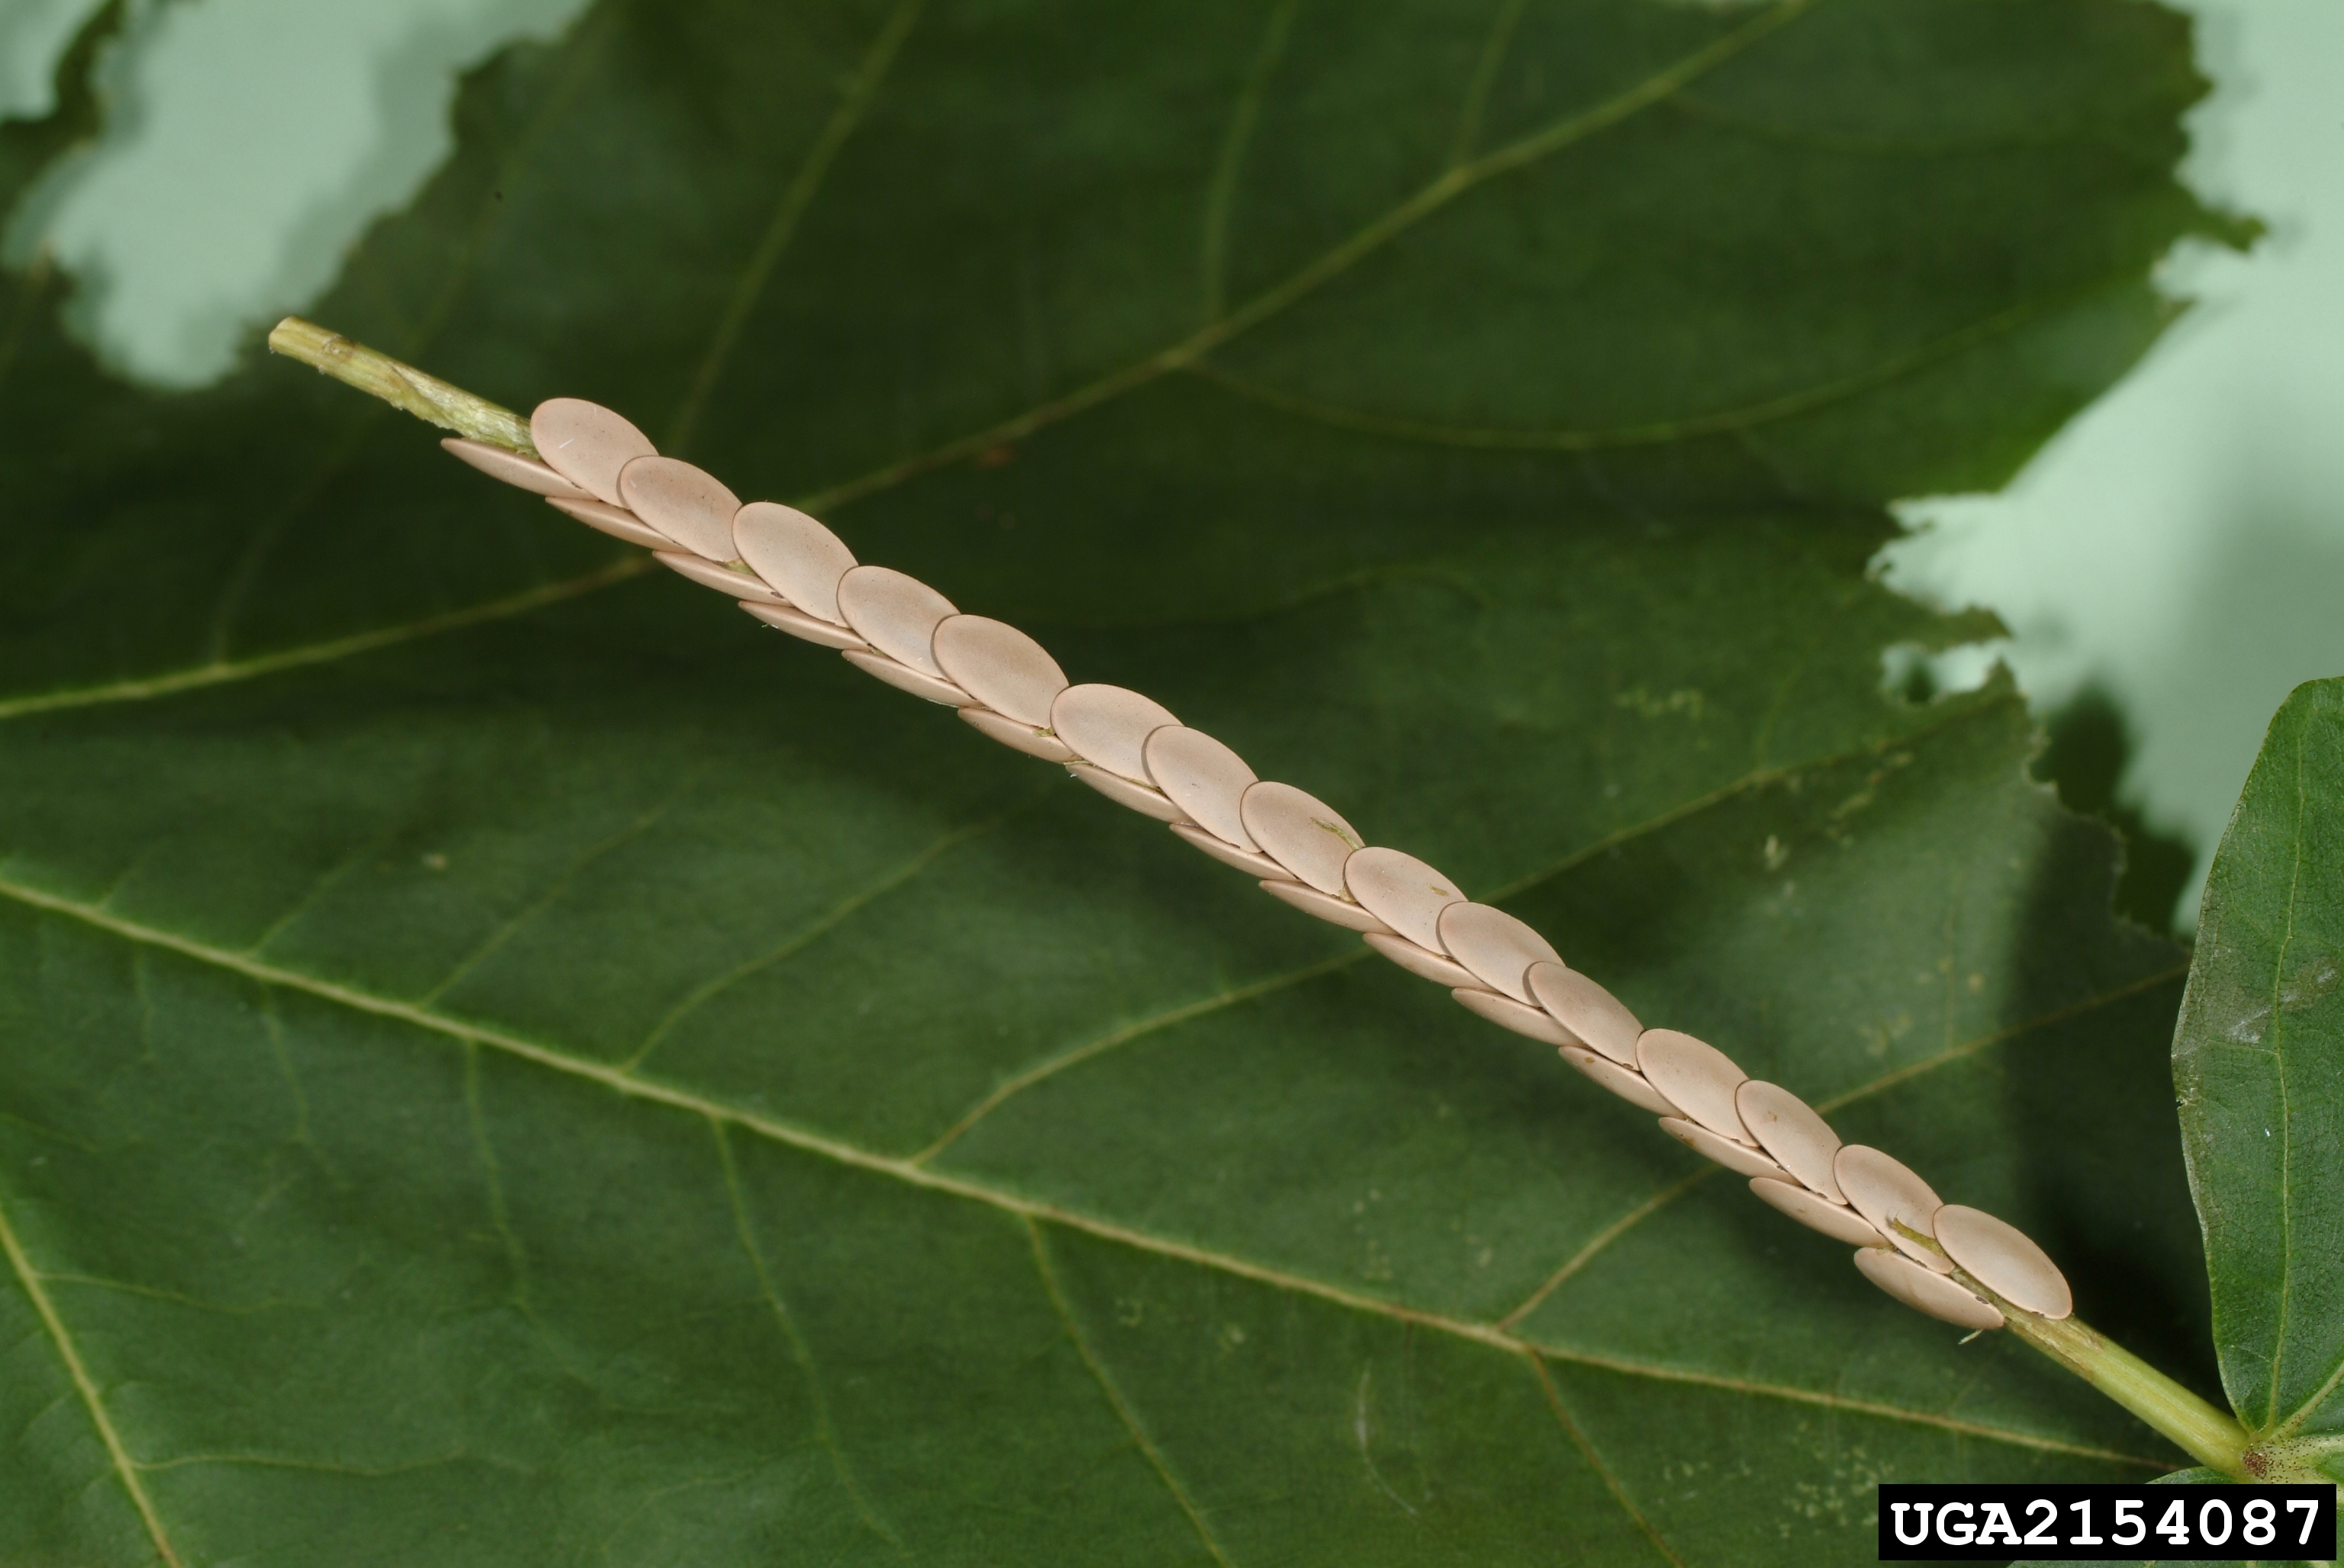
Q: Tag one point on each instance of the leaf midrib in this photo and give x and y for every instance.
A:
(2282, 1429)
(851, 1155)
(2285, 1127)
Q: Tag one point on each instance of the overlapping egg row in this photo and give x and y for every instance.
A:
(792, 573)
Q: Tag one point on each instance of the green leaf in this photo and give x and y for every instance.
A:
(2258, 1061)
(505, 1061)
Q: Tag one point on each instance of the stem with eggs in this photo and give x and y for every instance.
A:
(2207, 1434)
(402, 386)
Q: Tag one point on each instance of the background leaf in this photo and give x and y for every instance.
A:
(2259, 1064)
(507, 1062)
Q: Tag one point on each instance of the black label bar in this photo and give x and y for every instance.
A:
(2083, 1523)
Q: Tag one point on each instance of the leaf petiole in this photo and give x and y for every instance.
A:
(402, 386)
(2210, 1436)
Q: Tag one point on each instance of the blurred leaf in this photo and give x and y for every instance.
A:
(2258, 1061)
(505, 1061)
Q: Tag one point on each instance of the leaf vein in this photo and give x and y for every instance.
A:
(1597, 1243)
(796, 198)
(1220, 192)
(475, 1118)
(125, 1468)
(1122, 1407)
(1595, 1461)
(1652, 432)
(487, 948)
(1494, 44)
(826, 1431)
(1154, 1023)
(830, 920)
(2278, 999)
(222, 672)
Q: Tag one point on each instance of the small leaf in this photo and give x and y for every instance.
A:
(2259, 1062)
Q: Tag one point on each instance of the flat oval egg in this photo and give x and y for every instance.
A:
(1108, 727)
(1000, 666)
(1498, 948)
(587, 444)
(1300, 831)
(803, 559)
(689, 505)
(895, 613)
(1204, 777)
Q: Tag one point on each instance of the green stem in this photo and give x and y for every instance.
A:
(2210, 1436)
(402, 386)
(2207, 1434)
